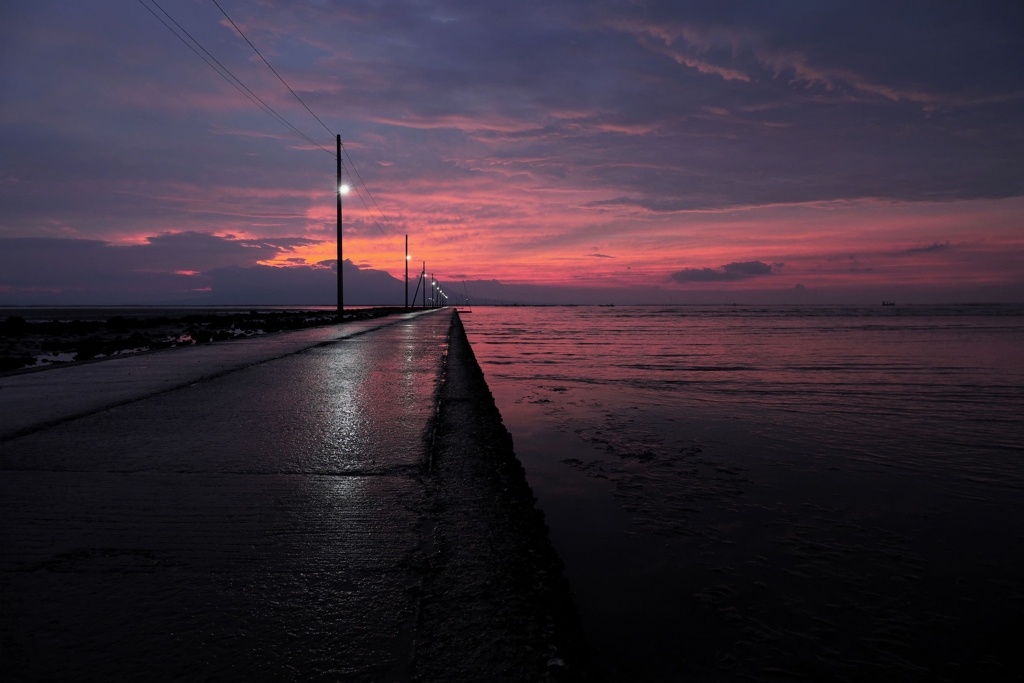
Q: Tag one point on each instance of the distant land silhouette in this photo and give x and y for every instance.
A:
(192, 268)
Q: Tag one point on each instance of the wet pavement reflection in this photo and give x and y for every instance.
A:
(262, 525)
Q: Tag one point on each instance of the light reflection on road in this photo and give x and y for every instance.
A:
(257, 525)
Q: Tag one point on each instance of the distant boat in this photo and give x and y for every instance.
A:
(888, 303)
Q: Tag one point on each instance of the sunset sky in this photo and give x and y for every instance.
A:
(852, 148)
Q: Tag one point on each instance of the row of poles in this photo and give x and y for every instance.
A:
(437, 296)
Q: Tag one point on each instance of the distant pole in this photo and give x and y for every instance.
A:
(433, 291)
(407, 272)
(337, 191)
(424, 284)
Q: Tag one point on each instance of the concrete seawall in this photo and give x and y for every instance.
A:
(495, 605)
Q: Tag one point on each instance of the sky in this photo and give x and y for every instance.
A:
(606, 151)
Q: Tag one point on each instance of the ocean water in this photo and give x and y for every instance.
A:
(777, 493)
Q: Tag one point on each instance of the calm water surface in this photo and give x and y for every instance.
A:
(777, 493)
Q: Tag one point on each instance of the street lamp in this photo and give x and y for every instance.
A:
(342, 189)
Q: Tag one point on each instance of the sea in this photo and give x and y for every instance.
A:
(776, 492)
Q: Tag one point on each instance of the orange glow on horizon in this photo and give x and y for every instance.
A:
(481, 230)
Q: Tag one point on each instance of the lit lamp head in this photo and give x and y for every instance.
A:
(343, 189)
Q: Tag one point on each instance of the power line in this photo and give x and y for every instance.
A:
(237, 84)
(259, 102)
(272, 68)
(360, 195)
(383, 215)
(274, 113)
(296, 95)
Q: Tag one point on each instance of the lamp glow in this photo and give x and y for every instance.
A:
(344, 189)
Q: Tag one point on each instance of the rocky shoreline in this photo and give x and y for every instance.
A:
(28, 345)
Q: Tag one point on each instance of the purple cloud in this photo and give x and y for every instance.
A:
(730, 272)
(182, 268)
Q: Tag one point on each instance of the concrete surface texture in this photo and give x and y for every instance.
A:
(298, 518)
(496, 606)
(36, 399)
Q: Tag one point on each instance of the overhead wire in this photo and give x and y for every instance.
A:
(368, 212)
(311, 113)
(270, 111)
(383, 215)
(237, 84)
(360, 195)
(272, 68)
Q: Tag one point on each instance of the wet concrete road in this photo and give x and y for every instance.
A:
(265, 524)
(35, 399)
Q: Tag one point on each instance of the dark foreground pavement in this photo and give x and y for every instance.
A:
(318, 516)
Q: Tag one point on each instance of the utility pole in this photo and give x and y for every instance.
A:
(341, 285)
(433, 291)
(407, 272)
(424, 284)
